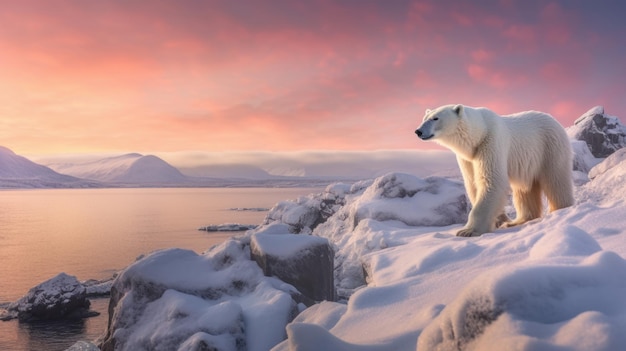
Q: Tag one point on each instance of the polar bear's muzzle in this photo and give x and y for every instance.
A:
(423, 135)
(425, 131)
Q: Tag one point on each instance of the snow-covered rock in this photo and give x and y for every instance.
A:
(61, 297)
(348, 215)
(83, 346)
(583, 159)
(608, 180)
(304, 261)
(563, 298)
(178, 300)
(98, 288)
(603, 134)
(608, 165)
(408, 201)
(228, 227)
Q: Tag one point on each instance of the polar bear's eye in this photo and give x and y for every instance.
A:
(436, 119)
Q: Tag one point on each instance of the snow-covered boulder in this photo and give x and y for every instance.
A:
(98, 288)
(616, 158)
(603, 134)
(304, 261)
(61, 297)
(228, 227)
(583, 160)
(349, 217)
(506, 309)
(305, 213)
(395, 197)
(178, 300)
(608, 180)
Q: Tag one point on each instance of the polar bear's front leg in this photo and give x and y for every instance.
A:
(467, 171)
(491, 181)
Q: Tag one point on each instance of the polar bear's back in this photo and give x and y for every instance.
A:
(536, 141)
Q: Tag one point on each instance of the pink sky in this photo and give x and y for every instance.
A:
(166, 76)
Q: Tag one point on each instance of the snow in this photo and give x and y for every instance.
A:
(83, 346)
(169, 300)
(285, 245)
(555, 283)
(404, 280)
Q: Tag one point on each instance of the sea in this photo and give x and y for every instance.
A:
(94, 233)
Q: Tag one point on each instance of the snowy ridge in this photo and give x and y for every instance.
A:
(18, 172)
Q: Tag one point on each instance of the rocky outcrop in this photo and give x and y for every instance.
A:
(304, 261)
(228, 227)
(603, 134)
(61, 297)
(178, 300)
(342, 214)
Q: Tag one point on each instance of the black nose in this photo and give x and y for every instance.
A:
(418, 132)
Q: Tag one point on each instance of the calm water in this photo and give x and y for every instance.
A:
(92, 233)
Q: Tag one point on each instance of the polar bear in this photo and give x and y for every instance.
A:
(528, 150)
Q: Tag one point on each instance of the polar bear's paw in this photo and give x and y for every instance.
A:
(502, 221)
(467, 232)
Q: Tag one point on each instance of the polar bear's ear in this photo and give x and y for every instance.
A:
(427, 111)
(457, 109)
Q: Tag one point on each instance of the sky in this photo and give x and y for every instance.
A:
(216, 76)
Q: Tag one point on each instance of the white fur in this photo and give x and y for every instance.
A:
(528, 150)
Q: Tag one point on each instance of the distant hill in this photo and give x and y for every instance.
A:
(19, 172)
(130, 169)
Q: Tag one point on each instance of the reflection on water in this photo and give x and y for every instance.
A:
(53, 336)
(49, 335)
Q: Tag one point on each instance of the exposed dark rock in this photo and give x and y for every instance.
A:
(603, 134)
(304, 261)
(228, 227)
(61, 297)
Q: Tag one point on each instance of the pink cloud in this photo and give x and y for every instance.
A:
(297, 76)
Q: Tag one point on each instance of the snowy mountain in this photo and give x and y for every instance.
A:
(129, 169)
(19, 172)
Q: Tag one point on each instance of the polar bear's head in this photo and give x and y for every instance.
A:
(440, 122)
